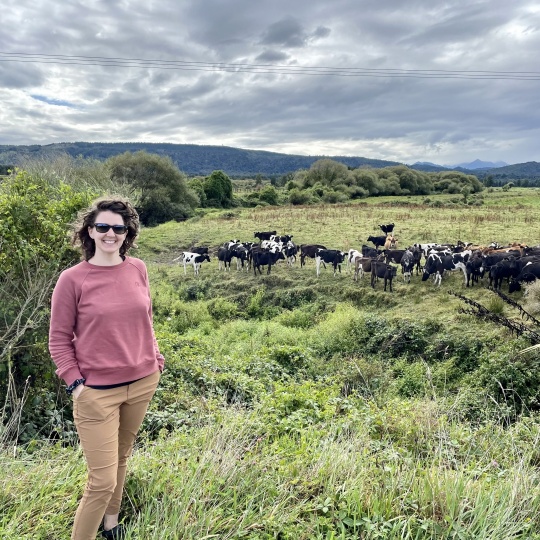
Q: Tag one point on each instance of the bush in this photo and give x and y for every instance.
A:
(297, 197)
(164, 193)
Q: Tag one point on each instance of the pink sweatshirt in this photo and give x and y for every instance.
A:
(101, 324)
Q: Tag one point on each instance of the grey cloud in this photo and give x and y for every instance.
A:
(286, 33)
(15, 75)
(410, 118)
(271, 56)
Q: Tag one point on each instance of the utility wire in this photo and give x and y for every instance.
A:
(264, 68)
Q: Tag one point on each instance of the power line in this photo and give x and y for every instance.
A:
(264, 69)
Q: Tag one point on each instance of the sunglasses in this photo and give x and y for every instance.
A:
(104, 227)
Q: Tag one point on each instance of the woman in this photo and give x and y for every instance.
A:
(102, 342)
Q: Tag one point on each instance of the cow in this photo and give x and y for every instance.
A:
(362, 265)
(425, 248)
(370, 252)
(241, 253)
(201, 250)
(351, 257)
(530, 272)
(407, 265)
(391, 242)
(290, 251)
(224, 256)
(387, 229)
(503, 269)
(474, 268)
(329, 256)
(265, 235)
(393, 255)
(284, 238)
(265, 258)
(309, 250)
(437, 264)
(195, 259)
(380, 269)
(377, 240)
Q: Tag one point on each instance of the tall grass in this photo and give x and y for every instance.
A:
(361, 475)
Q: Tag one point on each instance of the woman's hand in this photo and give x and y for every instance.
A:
(78, 390)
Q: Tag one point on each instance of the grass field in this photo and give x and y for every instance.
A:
(298, 408)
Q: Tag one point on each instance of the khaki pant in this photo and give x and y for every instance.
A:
(107, 423)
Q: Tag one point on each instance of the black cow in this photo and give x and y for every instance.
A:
(530, 272)
(309, 250)
(370, 252)
(224, 256)
(264, 235)
(329, 256)
(437, 264)
(474, 268)
(503, 269)
(393, 255)
(387, 229)
(265, 258)
(380, 269)
(200, 250)
(377, 240)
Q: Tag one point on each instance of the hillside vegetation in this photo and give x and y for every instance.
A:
(294, 407)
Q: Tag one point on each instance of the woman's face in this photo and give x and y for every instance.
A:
(107, 243)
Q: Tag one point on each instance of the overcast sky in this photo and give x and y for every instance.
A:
(389, 79)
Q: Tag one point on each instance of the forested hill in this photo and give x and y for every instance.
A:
(190, 158)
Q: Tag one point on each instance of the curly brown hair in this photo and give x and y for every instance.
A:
(118, 205)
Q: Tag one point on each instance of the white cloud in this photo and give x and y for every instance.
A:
(400, 118)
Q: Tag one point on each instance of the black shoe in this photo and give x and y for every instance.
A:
(116, 533)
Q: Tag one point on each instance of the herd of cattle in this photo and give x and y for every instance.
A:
(517, 263)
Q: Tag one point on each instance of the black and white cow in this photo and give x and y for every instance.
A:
(195, 259)
(379, 269)
(387, 229)
(351, 257)
(284, 238)
(329, 256)
(436, 264)
(290, 250)
(407, 265)
(309, 250)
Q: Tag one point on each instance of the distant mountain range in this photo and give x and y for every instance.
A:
(201, 160)
(192, 159)
(475, 165)
(479, 164)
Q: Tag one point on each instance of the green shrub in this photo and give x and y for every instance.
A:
(222, 309)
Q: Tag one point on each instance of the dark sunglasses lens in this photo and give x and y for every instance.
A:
(103, 228)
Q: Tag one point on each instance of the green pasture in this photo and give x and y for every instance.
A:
(301, 408)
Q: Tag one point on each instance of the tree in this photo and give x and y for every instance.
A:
(163, 191)
(219, 189)
(34, 218)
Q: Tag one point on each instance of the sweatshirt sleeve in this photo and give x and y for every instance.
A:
(61, 330)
